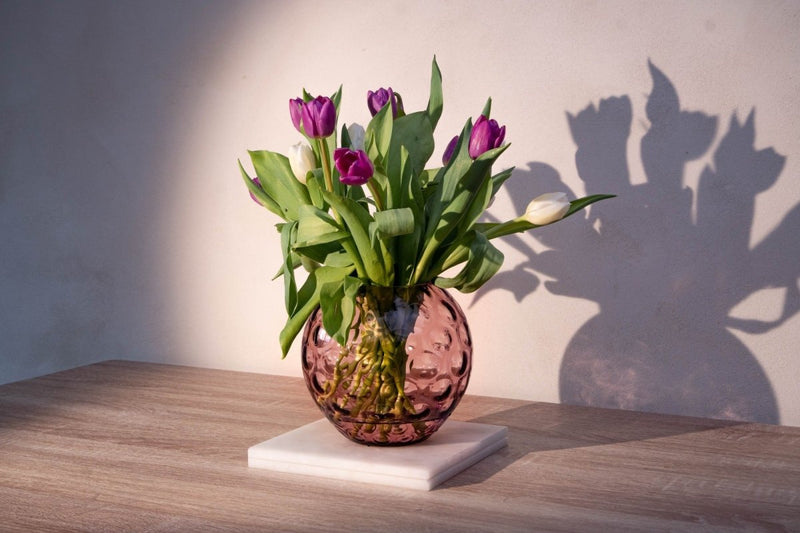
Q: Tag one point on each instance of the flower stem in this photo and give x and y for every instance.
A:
(376, 195)
(325, 157)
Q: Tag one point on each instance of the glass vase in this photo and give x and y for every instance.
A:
(403, 370)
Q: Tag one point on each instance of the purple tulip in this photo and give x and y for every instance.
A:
(486, 134)
(354, 166)
(296, 111)
(317, 118)
(448, 152)
(376, 100)
(253, 196)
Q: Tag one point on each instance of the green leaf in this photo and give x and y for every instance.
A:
(415, 133)
(386, 233)
(378, 136)
(279, 183)
(456, 187)
(380, 183)
(337, 99)
(357, 219)
(492, 230)
(289, 288)
(339, 259)
(308, 298)
(483, 262)
(346, 142)
(315, 184)
(337, 302)
(580, 203)
(393, 222)
(487, 108)
(256, 191)
(406, 247)
(500, 178)
(296, 321)
(296, 262)
(317, 227)
(480, 201)
(330, 301)
(351, 287)
(435, 100)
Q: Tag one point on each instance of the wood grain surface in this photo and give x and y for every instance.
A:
(126, 446)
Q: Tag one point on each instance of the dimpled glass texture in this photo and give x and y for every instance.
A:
(425, 326)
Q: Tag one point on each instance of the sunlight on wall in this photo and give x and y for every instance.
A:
(535, 322)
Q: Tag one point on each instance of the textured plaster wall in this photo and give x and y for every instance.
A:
(126, 233)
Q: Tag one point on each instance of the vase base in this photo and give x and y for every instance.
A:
(317, 449)
(388, 434)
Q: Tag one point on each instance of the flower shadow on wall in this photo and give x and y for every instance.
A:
(665, 283)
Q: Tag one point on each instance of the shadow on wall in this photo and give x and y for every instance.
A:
(665, 283)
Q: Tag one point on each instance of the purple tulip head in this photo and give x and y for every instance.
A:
(486, 134)
(296, 111)
(315, 118)
(448, 152)
(376, 100)
(354, 166)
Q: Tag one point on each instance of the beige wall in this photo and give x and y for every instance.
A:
(126, 232)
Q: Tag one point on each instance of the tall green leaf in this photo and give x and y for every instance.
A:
(288, 232)
(279, 183)
(378, 135)
(357, 220)
(413, 133)
(435, 100)
(337, 302)
(456, 187)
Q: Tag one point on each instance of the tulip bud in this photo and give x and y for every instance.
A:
(356, 133)
(486, 134)
(376, 100)
(317, 117)
(547, 208)
(295, 111)
(354, 166)
(253, 196)
(448, 152)
(302, 160)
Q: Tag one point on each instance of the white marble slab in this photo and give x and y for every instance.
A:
(317, 449)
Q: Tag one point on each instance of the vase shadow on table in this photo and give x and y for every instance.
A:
(665, 277)
(538, 427)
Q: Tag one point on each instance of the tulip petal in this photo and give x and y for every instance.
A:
(327, 117)
(448, 152)
(547, 208)
(295, 111)
(354, 166)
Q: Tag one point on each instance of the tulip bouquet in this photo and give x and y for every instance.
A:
(364, 207)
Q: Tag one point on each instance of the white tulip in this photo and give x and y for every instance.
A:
(356, 133)
(301, 159)
(547, 208)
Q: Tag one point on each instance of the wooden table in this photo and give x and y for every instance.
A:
(124, 446)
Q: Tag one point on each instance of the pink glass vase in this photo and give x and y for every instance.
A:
(403, 370)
